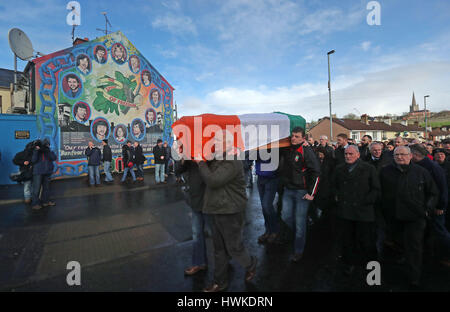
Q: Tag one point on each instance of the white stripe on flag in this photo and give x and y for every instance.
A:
(261, 129)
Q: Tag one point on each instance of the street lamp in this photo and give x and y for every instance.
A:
(426, 120)
(329, 94)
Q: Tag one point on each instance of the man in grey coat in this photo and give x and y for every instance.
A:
(225, 201)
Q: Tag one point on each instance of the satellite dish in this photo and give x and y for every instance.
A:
(20, 44)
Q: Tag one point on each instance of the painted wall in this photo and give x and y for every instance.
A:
(9, 124)
(101, 89)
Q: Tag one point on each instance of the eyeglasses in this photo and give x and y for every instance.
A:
(397, 155)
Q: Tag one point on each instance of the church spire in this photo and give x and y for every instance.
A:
(414, 107)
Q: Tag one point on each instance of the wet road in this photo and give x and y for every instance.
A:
(138, 238)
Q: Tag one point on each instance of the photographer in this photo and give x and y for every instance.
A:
(42, 161)
(23, 160)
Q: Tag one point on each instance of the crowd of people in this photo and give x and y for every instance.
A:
(36, 166)
(373, 196)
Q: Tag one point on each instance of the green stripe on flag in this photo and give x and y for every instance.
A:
(295, 121)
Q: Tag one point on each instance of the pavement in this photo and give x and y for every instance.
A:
(137, 237)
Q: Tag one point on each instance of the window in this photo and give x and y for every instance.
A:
(355, 136)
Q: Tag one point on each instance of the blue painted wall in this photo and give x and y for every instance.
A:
(9, 145)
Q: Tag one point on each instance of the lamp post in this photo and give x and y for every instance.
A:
(329, 95)
(426, 120)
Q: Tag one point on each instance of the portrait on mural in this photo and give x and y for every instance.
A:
(81, 112)
(100, 129)
(150, 116)
(118, 53)
(120, 134)
(72, 85)
(146, 78)
(135, 64)
(138, 129)
(100, 54)
(84, 64)
(155, 97)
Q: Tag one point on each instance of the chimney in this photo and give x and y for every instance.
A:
(365, 119)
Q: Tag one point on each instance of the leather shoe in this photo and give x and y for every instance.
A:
(214, 288)
(50, 203)
(250, 274)
(263, 238)
(194, 269)
(36, 207)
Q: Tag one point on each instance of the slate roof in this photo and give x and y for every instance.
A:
(352, 124)
(7, 77)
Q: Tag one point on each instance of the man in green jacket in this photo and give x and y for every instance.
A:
(225, 201)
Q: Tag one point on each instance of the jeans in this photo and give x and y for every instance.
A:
(27, 189)
(296, 209)
(94, 170)
(140, 170)
(267, 188)
(38, 181)
(125, 173)
(159, 173)
(106, 166)
(200, 224)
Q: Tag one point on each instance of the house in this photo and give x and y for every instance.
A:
(356, 129)
(6, 91)
(439, 134)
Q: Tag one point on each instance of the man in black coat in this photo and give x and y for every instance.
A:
(364, 150)
(443, 160)
(409, 196)
(23, 160)
(438, 218)
(378, 158)
(342, 143)
(107, 159)
(42, 161)
(139, 160)
(128, 164)
(159, 154)
(355, 189)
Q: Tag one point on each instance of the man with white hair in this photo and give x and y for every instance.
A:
(378, 158)
(323, 141)
(225, 201)
(409, 197)
(356, 188)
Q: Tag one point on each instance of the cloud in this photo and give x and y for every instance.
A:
(366, 45)
(176, 24)
(378, 93)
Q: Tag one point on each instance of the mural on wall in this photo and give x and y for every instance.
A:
(101, 89)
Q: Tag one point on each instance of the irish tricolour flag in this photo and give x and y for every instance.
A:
(251, 131)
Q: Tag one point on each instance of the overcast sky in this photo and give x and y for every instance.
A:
(242, 56)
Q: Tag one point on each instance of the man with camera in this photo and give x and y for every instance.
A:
(23, 160)
(42, 161)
